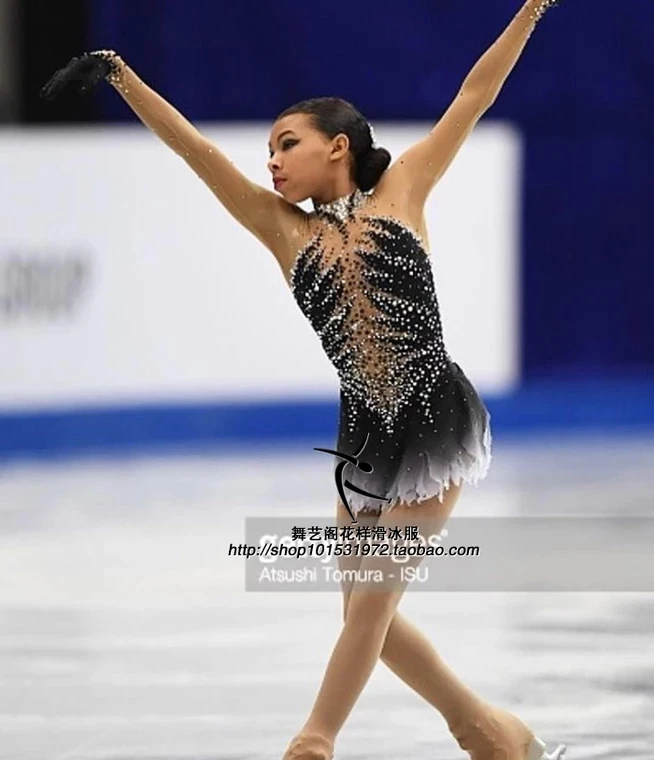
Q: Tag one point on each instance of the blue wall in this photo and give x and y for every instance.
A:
(581, 93)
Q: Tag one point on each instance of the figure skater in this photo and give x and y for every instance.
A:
(359, 270)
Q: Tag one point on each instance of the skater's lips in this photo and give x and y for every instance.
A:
(277, 181)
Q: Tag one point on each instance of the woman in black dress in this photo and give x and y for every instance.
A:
(358, 267)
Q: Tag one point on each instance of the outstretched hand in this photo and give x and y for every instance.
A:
(542, 6)
(86, 72)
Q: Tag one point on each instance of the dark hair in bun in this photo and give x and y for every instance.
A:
(333, 116)
(370, 166)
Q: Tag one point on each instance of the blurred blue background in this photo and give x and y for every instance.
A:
(581, 96)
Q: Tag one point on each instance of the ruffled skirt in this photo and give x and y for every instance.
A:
(441, 440)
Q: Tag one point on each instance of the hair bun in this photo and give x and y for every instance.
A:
(371, 166)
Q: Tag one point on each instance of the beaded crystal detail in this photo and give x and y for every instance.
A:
(340, 209)
(366, 285)
(543, 7)
(116, 62)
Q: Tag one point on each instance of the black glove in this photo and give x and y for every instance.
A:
(87, 71)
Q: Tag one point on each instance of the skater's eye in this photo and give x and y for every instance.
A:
(285, 145)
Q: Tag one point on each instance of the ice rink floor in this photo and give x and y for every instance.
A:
(126, 632)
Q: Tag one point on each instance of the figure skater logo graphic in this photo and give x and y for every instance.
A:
(338, 474)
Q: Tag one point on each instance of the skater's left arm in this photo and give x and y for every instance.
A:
(419, 168)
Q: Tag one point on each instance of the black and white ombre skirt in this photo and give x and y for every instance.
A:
(435, 442)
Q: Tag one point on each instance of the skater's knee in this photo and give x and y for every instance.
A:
(370, 608)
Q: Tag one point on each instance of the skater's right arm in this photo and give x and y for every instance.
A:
(265, 214)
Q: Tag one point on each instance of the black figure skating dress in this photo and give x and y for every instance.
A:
(366, 285)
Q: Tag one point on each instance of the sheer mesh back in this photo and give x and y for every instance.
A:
(366, 285)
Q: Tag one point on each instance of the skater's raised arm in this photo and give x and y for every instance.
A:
(491, 71)
(423, 164)
(262, 212)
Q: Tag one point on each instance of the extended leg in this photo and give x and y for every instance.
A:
(407, 652)
(360, 643)
(476, 725)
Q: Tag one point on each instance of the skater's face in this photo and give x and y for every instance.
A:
(304, 158)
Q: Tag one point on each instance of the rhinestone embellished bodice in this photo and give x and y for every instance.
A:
(366, 286)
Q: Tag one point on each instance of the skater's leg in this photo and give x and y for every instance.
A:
(370, 610)
(406, 651)
(474, 723)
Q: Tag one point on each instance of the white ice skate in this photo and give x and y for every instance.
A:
(538, 751)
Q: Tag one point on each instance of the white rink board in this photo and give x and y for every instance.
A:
(124, 281)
